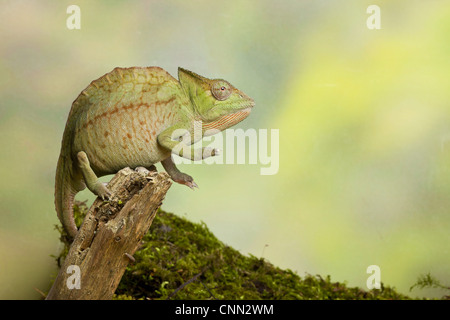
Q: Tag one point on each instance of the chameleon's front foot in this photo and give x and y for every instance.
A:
(182, 178)
(187, 180)
(177, 175)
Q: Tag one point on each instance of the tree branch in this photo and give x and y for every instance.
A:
(109, 236)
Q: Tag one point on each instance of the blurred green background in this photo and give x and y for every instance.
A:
(363, 117)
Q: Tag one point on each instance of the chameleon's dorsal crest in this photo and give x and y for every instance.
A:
(191, 82)
(196, 88)
(184, 74)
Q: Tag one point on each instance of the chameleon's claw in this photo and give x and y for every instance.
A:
(192, 185)
(103, 192)
(105, 197)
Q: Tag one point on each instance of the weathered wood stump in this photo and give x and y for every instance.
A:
(109, 236)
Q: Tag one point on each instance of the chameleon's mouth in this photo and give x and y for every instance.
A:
(240, 115)
(246, 107)
(245, 110)
(251, 103)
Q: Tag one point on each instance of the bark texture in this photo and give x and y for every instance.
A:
(109, 236)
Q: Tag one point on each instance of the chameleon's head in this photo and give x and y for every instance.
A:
(219, 104)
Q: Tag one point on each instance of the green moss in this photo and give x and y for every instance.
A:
(177, 250)
(184, 260)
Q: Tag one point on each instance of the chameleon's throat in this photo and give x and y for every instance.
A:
(228, 120)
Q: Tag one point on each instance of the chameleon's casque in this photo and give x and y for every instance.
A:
(134, 117)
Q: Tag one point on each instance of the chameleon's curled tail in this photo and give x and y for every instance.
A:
(65, 194)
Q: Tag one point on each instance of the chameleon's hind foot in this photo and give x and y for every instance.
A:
(102, 191)
(91, 180)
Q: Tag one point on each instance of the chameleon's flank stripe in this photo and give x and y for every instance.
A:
(129, 108)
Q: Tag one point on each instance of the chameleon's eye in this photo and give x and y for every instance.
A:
(221, 90)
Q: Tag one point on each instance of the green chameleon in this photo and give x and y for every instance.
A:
(136, 117)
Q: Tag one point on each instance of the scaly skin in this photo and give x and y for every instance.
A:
(129, 118)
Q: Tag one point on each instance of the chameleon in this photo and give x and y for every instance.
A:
(137, 117)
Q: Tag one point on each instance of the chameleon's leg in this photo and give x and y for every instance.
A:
(177, 175)
(90, 178)
(166, 140)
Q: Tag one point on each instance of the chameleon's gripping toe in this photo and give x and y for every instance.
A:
(192, 185)
(188, 182)
(103, 192)
(92, 182)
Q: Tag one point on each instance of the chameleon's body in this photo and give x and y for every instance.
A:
(129, 118)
